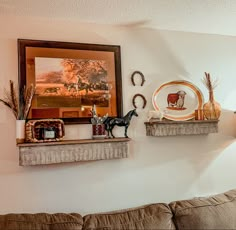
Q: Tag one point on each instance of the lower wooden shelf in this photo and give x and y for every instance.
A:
(72, 150)
(178, 128)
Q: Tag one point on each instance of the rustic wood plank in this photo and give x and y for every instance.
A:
(178, 128)
(72, 151)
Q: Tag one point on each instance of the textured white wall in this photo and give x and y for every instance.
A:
(158, 169)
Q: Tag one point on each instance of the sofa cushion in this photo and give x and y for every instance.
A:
(153, 216)
(41, 221)
(215, 212)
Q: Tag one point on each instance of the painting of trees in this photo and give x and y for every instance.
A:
(84, 70)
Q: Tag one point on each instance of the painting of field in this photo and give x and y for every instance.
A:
(64, 82)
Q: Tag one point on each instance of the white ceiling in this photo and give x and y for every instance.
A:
(202, 16)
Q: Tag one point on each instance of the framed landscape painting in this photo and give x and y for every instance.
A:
(70, 78)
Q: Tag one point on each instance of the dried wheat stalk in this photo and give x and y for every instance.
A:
(28, 96)
(11, 100)
(211, 85)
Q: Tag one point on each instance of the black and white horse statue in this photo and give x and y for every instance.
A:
(119, 121)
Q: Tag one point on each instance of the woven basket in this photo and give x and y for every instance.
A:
(33, 130)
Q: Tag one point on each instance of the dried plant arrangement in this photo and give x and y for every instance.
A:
(209, 83)
(11, 100)
(212, 108)
(96, 120)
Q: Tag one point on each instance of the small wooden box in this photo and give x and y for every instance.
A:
(44, 130)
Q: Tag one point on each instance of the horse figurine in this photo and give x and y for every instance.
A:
(119, 121)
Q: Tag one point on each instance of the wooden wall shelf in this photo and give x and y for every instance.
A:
(72, 150)
(178, 128)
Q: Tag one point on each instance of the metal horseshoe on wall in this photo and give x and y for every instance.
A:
(139, 95)
(140, 74)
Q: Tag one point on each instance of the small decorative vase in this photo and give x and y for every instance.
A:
(20, 131)
(212, 108)
(98, 131)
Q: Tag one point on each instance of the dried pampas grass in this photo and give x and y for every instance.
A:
(207, 81)
(11, 100)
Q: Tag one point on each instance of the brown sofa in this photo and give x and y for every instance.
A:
(215, 212)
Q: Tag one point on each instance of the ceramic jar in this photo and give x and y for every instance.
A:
(98, 131)
(212, 108)
(20, 131)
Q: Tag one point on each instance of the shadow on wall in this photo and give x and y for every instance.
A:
(199, 151)
(184, 158)
(156, 52)
(158, 56)
(164, 150)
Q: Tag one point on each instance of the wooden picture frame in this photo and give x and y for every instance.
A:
(70, 78)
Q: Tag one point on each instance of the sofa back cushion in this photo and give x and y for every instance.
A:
(154, 216)
(41, 221)
(215, 212)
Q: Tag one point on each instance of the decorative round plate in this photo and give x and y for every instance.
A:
(177, 100)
